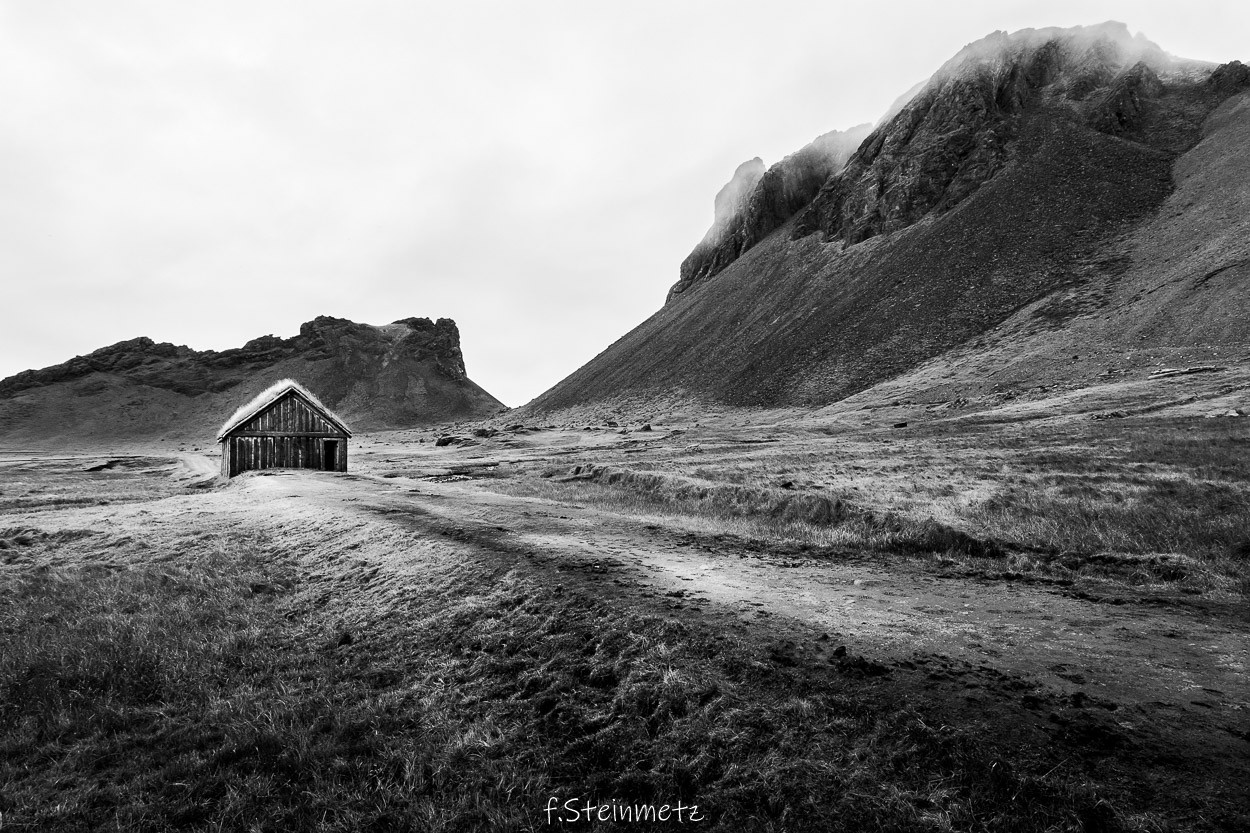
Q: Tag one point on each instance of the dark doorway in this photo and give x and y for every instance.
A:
(330, 456)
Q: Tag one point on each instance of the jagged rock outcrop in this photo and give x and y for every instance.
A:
(732, 199)
(352, 346)
(1130, 96)
(757, 202)
(954, 135)
(1017, 173)
(1229, 79)
(405, 373)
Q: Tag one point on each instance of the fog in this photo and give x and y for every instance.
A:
(208, 173)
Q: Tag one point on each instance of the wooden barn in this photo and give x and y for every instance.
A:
(285, 427)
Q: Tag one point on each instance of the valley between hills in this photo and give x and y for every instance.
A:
(1007, 619)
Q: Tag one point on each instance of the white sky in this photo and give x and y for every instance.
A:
(205, 173)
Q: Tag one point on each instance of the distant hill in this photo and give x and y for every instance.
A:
(1051, 206)
(407, 373)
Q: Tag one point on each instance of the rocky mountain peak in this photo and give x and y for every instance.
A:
(731, 199)
(954, 135)
(1079, 51)
(939, 144)
(756, 202)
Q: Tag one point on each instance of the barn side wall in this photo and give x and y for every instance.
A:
(249, 453)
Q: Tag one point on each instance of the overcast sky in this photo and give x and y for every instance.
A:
(208, 172)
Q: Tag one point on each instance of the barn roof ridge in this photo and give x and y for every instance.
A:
(270, 395)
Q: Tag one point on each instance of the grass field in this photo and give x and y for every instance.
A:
(1164, 506)
(240, 658)
(201, 693)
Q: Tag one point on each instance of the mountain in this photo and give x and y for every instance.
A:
(406, 373)
(1051, 206)
(756, 201)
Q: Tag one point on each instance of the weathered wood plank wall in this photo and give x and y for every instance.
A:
(248, 453)
(289, 415)
(290, 433)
